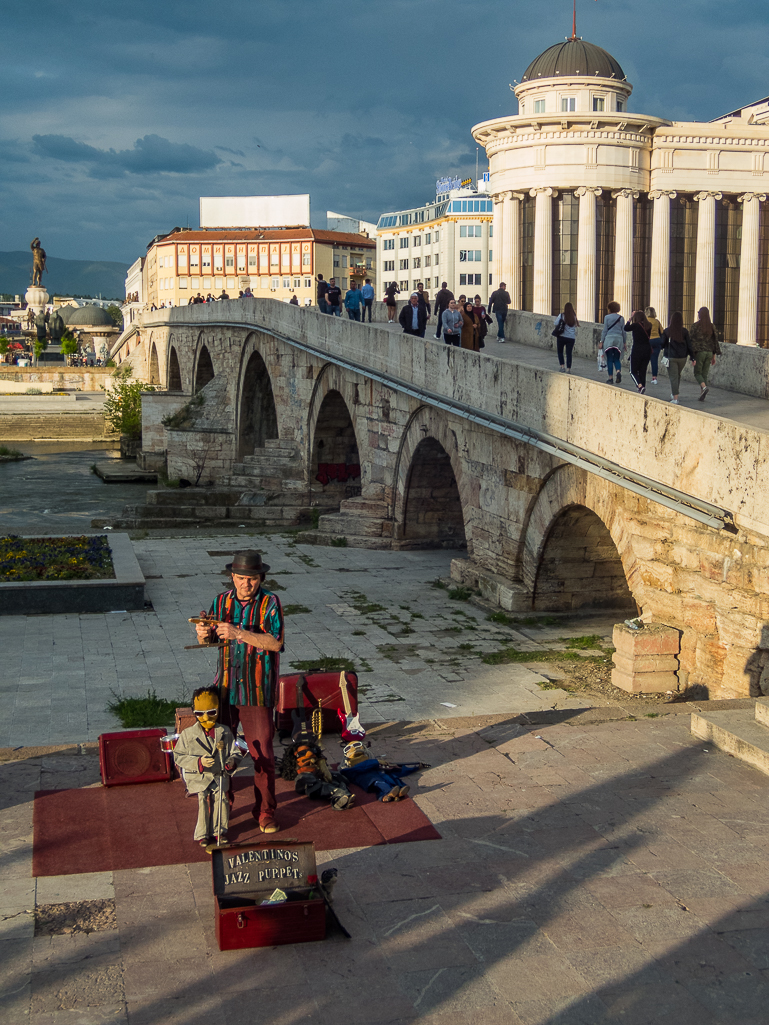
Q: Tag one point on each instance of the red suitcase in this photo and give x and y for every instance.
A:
(314, 690)
(133, 756)
(245, 875)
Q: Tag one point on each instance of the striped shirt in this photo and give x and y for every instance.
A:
(251, 678)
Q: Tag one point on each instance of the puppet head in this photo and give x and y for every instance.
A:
(205, 705)
(354, 752)
(306, 757)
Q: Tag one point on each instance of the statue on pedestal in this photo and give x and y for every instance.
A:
(38, 265)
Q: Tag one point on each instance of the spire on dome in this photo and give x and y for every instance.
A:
(574, 21)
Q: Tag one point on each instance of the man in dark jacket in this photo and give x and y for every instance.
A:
(322, 289)
(442, 300)
(413, 317)
(499, 303)
(334, 299)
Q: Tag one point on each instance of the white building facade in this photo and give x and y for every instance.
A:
(449, 239)
(592, 203)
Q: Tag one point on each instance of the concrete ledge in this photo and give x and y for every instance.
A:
(125, 592)
(736, 732)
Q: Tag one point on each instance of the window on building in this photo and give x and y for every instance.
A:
(297, 282)
(469, 255)
(620, 105)
(344, 283)
(470, 279)
(417, 240)
(568, 103)
(389, 243)
(275, 283)
(308, 282)
(218, 283)
(427, 239)
(389, 265)
(274, 261)
(251, 260)
(436, 259)
(491, 231)
(286, 259)
(436, 282)
(230, 282)
(403, 285)
(369, 262)
(491, 257)
(490, 279)
(229, 262)
(404, 265)
(194, 260)
(404, 242)
(194, 282)
(287, 282)
(344, 261)
(306, 260)
(470, 230)
(336, 259)
(539, 106)
(218, 263)
(427, 260)
(182, 259)
(264, 282)
(437, 237)
(206, 282)
(598, 103)
(206, 261)
(417, 262)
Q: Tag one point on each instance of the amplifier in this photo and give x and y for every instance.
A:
(133, 756)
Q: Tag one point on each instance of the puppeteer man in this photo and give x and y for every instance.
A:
(251, 624)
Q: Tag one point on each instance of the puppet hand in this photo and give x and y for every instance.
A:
(208, 762)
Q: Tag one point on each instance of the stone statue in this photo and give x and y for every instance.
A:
(56, 326)
(41, 325)
(38, 265)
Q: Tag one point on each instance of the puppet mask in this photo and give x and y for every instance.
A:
(206, 708)
(306, 759)
(354, 752)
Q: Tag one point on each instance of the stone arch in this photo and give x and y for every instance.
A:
(430, 498)
(258, 417)
(154, 368)
(335, 464)
(174, 370)
(204, 369)
(572, 555)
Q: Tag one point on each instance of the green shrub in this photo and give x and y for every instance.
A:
(140, 713)
(123, 404)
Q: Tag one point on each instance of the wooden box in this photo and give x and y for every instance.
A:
(184, 718)
(245, 875)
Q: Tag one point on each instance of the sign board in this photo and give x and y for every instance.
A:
(254, 211)
(465, 182)
(446, 185)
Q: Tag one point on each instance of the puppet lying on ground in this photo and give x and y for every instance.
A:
(305, 763)
(207, 753)
(381, 778)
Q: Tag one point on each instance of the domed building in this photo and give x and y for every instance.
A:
(594, 203)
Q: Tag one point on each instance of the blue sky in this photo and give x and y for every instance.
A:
(116, 117)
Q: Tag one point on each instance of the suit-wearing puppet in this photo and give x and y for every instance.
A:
(207, 753)
(375, 777)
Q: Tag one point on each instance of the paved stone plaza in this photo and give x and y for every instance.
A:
(590, 871)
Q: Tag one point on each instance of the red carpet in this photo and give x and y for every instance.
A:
(101, 829)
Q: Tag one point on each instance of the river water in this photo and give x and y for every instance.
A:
(57, 493)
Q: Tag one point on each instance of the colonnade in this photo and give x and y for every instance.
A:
(507, 264)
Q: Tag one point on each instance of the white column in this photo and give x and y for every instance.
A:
(498, 241)
(514, 281)
(659, 290)
(705, 276)
(586, 265)
(543, 250)
(623, 251)
(747, 311)
(506, 270)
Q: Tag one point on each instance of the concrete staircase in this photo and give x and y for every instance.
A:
(361, 521)
(742, 732)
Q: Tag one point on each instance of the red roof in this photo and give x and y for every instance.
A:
(341, 238)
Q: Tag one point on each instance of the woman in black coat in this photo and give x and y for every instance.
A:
(677, 349)
(641, 352)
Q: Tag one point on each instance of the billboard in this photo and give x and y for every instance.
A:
(254, 211)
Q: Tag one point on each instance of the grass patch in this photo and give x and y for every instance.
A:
(138, 713)
(507, 656)
(338, 542)
(307, 560)
(652, 715)
(417, 615)
(548, 685)
(453, 630)
(505, 620)
(361, 604)
(583, 643)
(326, 664)
(466, 646)
(359, 633)
(273, 585)
(11, 455)
(460, 593)
(55, 558)
(439, 584)
(314, 517)
(295, 610)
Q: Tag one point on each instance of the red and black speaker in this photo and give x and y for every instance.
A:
(133, 756)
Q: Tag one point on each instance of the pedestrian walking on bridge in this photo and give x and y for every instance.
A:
(677, 350)
(499, 303)
(655, 340)
(641, 352)
(565, 330)
(613, 341)
(706, 348)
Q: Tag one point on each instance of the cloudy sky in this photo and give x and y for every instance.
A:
(115, 117)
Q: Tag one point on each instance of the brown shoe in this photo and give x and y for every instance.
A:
(269, 825)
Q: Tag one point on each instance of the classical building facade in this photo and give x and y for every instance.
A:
(273, 262)
(593, 203)
(448, 239)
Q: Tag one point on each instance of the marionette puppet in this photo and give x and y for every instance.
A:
(305, 763)
(381, 778)
(207, 754)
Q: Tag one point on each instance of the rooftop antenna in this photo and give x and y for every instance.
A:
(476, 165)
(574, 21)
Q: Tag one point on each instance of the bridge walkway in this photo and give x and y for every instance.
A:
(728, 405)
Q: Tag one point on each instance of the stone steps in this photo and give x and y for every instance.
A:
(741, 732)
(322, 538)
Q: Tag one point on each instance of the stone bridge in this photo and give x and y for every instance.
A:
(559, 493)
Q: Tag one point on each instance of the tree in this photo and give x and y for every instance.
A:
(123, 404)
(117, 316)
(3, 345)
(68, 344)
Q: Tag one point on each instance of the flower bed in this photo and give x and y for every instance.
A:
(86, 557)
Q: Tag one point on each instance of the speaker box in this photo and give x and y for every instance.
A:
(133, 756)
(185, 717)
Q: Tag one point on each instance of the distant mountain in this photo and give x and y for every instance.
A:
(63, 277)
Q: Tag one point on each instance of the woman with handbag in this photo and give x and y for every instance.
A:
(677, 350)
(469, 328)
(613, 342)
(565, 333)
(483, 321)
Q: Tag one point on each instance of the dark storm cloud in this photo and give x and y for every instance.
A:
(362, 105)
(150, 155)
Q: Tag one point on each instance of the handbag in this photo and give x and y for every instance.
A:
(665, 361)
(559, 328)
